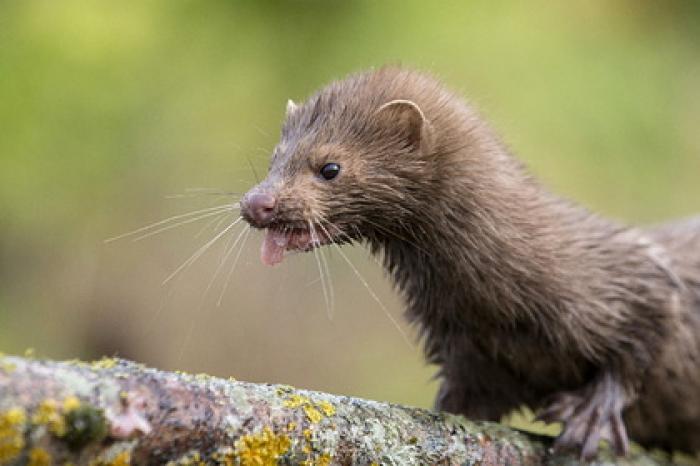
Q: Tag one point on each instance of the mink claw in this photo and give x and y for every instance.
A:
(618, 437)
(588, 416)
(559, 408)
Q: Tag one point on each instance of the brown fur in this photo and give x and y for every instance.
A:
(521, 297)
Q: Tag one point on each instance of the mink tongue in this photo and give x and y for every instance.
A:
(273, 247)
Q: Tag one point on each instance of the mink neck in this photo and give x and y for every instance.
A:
(500, 247)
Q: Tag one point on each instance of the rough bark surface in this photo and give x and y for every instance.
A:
(116, 412)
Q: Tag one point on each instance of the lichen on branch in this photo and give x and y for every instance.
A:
(116, 412)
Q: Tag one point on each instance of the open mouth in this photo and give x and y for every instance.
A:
(278, 242)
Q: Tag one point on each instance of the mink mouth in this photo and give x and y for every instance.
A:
(280, 240)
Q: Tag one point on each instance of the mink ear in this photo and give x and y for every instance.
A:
(409, 117)
(291, 107)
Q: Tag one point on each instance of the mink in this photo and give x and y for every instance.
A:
(521, 297)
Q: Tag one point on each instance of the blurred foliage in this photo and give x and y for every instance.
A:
(107, 107)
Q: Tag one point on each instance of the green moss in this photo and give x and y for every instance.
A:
(83, 425)
(75, 423)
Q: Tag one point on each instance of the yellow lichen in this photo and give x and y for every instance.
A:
(295, 400)
(11, 434)
(315, 411)
(327, 408)
(71, 403)
(283, 390)
(123, 458)
(192, 458)
(225, 456)
(307, 434)
(8, 367)
(201, 377)
(262, 449)
(323, 460)
(47, 414)
(292, 426)
(104, 363)
(38, 457)
(313, 414)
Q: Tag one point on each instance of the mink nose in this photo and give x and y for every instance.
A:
(260, 207)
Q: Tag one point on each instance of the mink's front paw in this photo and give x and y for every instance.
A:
(589, 415)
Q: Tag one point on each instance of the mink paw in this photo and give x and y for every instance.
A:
(589, 415)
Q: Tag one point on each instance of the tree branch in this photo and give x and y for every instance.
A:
(115, 412)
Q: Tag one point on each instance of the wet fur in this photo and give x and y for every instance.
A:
(521, 297)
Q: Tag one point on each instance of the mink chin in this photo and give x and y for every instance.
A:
(522, 298)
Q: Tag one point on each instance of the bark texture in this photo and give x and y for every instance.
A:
(116, 412)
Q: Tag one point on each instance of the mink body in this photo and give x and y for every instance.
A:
(521, 297)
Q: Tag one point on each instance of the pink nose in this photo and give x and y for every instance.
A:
(261, 207)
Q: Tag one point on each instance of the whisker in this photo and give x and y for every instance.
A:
(209, 190)
(374, 296)
(178, 224)
(314, 246)
(345, 235)
(313, 282)
(188, 336)
(324, 259)
(338, 231)
(233, 266)
(194, 192)
(329, 281)
(396, 235)
(252, 168)
(261, 131)
(228, 242)
(218, 221)
(201, 250)
(222, 207)
(203, 318)
(155, 316)
(224, 258)
(194, 195)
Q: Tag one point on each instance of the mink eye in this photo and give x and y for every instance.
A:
(330, 171)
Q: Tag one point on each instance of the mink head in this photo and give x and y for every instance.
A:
(352, 164)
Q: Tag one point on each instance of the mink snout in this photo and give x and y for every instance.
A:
(258, 207)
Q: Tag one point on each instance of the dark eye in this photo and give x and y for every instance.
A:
(330, 171)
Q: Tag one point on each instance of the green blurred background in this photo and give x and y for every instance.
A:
(107, 108)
